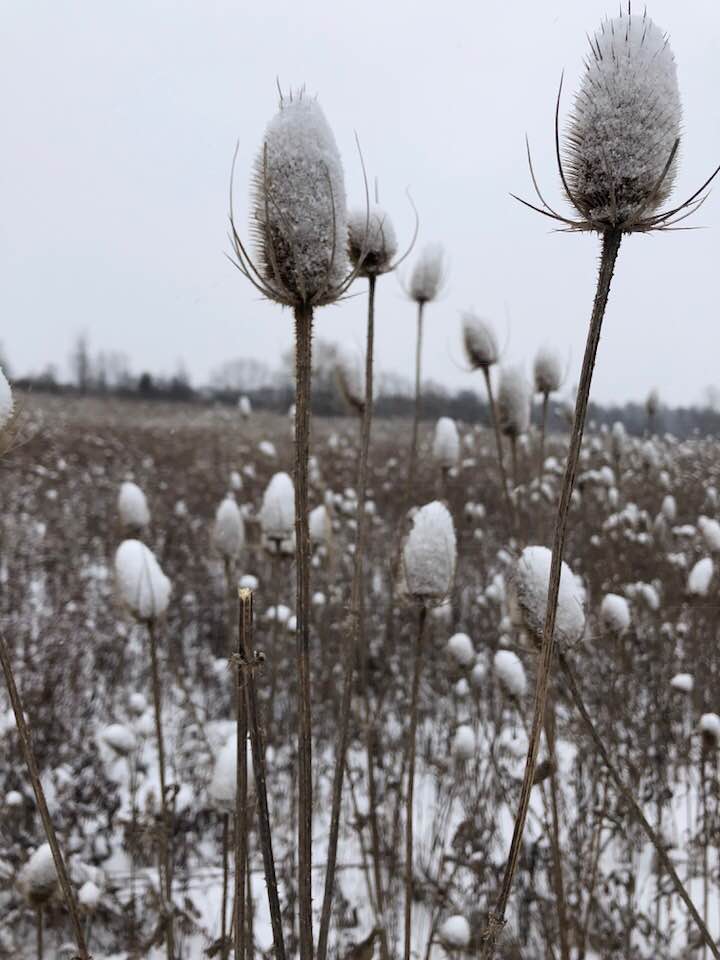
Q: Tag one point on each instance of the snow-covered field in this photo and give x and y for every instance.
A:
(643, 529)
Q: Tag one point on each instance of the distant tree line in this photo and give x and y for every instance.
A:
(108, 373)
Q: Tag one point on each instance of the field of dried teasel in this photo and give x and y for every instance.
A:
(271, 681)
(646, 667)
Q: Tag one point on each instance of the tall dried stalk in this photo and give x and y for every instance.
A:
(543, 430)
(418, 396)
(241, 785)
(610, 246)
(411, 750)
(31, 764)
(165, 864)
(246, 663)
(224, 939)
(351, 654)
(303, 376)
(558, 881)
(509, 505)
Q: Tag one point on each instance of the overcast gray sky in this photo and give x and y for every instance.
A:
(119, 121)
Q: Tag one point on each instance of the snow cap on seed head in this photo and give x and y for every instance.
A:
(429, 554)
(38, 877)
(229, 529)
(446, 443)
(299, 217)
(547, 370)
(143, 587)
(615, 613)
(277, 513)
(622, 135)
(428, 274)
(7, 404)
(528, 596)
(372, 244)
(223, 785)
(513, 402)
(510, 672)
(479, 341)
(132, 505)
(455, 932)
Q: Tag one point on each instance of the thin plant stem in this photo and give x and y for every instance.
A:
(31, 764)
(246, 662)
(39, 929)
(509, 505)
(411, 750)
(224, 943)
(166, 824)
(543, 429)
(303, 377)
(514, 452)
(354, 616)
(418, 396)
(634, 807)
(241, 784)
(610, 247)
(555, 836)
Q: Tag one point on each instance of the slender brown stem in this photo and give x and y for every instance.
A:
(31, 764)
(39, 929)
(633, 805)
(224, 941)
(543, 429)
(509, 505)
(246, 662)
(303, 364)
(418, 397)
(411, 750)
(555, 837)
(241, 785)
(610, 247)
(166, 824)
(352, 652)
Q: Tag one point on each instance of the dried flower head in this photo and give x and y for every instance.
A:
(547, 370)
(298, 218)
(428, 273)
(619, 158)
(277, 514)
(38, 877)
(446, 443)
(143, 587)
(529, 591)
(372, 244)
(513, 403)
(429, 555)
(132, 506)
(479, 340)
(228, 534)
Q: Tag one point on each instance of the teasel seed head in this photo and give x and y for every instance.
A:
(513, 402)
(372, 244)
(446, 443)
(428, 274)
(430, 554)
(479, 340)
(547, 370)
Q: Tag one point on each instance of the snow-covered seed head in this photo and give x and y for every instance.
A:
(528, 597)
(547, 370)
(320, 525)
(119, 738)
(510, 672)
(464, 744)
(446, 443)
(132, 506)
(245, 407)
(7, 404)
(683, 683)
(710, 529)
(429, 554)
(143, 587)
(223, 785)
(621, 140)
(299, 218)
(351, 379)
(618, 439)
(428, 273)
(228, 534)
(277, 513)
(652, 403)
(372, 244)
(710, 729)
(455, 932)
(615, 613)
(460, 647)
(513, 402)
(700, 577)
(479, 340)
(38, 877)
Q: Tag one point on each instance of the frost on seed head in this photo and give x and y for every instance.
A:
(372, 244)
(429, 554)
(299, 218)
(547, 370)
(427, 275)
(446, 443)
(479, 340)
(229, 529)
(143, 587)
(529, 590)
(513, 402)
(277, 514)
(621, 139)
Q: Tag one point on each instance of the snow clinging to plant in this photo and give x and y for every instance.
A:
(427, 275)
(132, 505)
(371, 239)
(513, 402)
(277, 513)
(7, 404)
(529, 592)
(430, 553)
(143, 587)
(229, 529)
(446, 443)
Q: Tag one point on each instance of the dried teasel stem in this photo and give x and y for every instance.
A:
(543, 430)
(241, 786)
(354, 647)
(411, 750)
(558, 881)
(418, 396)
(165, 866)
(303, 363)
(633, 805)
(245, 662)
(610, 247)
(509, 505)
(29, 757)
